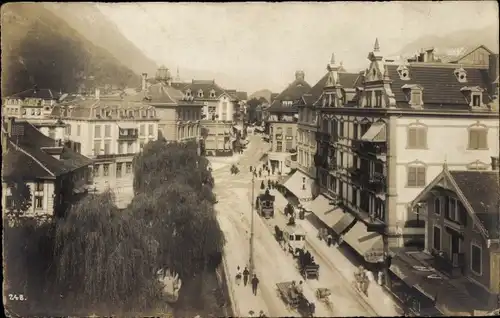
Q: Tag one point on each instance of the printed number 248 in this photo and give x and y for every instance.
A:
(16, 297)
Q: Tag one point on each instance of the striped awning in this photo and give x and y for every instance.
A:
(376, 133)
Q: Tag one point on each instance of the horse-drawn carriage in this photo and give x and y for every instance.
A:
(307, 266)
(294, 299)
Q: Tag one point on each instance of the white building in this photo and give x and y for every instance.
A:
(110, 131)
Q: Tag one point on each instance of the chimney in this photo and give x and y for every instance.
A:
(494, 163)
(144, 77)
(97, 93)
(429, 56)
(493, 74)
(299, 75)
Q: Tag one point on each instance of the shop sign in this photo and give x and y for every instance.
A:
(374, 256)
(289, 137)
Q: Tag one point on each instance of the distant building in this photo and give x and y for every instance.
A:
(33, 105)
(220, 115)
(179, 114)
(56, 175)
(281, 125)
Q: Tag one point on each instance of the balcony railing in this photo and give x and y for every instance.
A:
(377, 182)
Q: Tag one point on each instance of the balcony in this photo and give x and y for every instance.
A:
(128, 134)
(377, 182)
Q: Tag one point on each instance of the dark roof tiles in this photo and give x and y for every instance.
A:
(293, 92)
(43, 93)
(441, 89)
(31, 141)
(482, 191)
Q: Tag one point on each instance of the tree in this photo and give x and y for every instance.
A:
(105, 257)
(173, 187)
(21, 196)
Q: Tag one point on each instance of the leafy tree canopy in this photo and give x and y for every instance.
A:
(105, 255)
(20, 195)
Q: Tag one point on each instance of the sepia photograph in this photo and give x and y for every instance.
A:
(250, 159)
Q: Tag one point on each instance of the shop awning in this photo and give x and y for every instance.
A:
(327, 213)
(127, 125)
(375, 133)
(300, 185)
(362, 241)
(343, 223)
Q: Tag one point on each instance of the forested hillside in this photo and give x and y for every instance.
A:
(40, 48)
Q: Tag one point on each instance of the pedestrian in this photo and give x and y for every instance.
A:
(255, 283)
(238, 276)
(380, 277)
(269, 183)
(341, 239)
(369, 275)
(261, 314)
(245, 276)
(329, 240)
(260, 173)
(250, 168)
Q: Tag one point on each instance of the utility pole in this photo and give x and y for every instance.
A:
(250, 263)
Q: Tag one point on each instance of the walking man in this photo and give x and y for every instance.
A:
(255, 283)
(245, 276)
(238, 276)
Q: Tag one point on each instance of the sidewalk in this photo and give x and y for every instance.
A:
(377, 298)
(242, 299)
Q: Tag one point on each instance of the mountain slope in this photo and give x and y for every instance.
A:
(90, 22)
(40, 48)
(262, 93)
(456, 42)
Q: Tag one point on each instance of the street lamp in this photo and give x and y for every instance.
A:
(250, 263)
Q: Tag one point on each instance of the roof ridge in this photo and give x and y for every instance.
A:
(34, 159)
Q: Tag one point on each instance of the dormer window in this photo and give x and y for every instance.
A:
(404, 73)
(476, 100)
(200, 93)
(188, 93)
(416, 97)
(461, 75)
(212, 93)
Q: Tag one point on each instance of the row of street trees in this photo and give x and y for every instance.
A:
(106, 260)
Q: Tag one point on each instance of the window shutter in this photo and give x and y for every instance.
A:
(412, 138)
(462, 213)
(483, 139)
(412, 176)
(420, 176)
(473, 144)
(422, 137)
(447, 207)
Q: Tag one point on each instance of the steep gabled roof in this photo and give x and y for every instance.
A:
(480, 193)
(162, 93)
(468, 51)
(293, 92)
(441, 89)
(26, 157)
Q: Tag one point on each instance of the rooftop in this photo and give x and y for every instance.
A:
(29, 154)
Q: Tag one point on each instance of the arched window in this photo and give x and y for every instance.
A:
(478, 137)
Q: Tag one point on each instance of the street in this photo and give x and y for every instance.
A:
(272, 264)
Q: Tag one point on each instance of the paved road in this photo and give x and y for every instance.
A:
(272, 264)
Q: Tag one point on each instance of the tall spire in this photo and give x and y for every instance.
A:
(332, 66)
(178, 72)
(376, 46)
(332, 60)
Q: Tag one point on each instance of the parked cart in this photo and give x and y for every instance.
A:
(295, 300)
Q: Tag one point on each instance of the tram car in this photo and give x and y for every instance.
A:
(265, 205)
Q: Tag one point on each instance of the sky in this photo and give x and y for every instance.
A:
(261, 45)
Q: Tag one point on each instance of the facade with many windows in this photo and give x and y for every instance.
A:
(220, 113)
(110, 130)
(281, 123)
(407, 119)
(179, 114)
